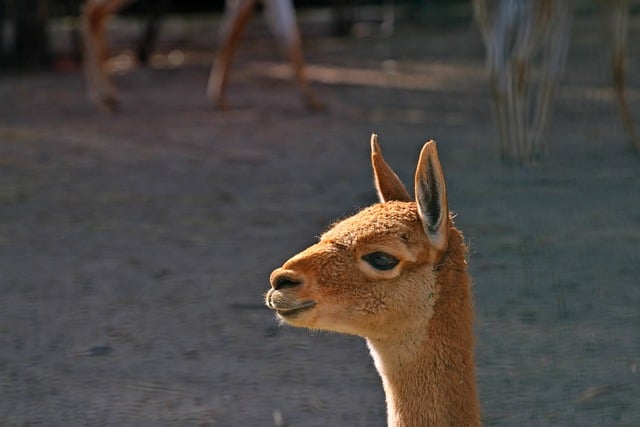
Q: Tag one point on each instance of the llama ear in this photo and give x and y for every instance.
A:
(431, 197)
(388, 184)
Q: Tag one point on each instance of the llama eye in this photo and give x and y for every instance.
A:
(381, 261)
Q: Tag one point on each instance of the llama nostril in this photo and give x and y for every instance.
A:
(282, 282)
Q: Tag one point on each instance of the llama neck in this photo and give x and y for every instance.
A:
(428, 372)
(431, 382)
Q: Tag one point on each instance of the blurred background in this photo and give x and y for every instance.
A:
(136, 244)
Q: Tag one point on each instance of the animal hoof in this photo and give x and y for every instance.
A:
(315, 104)
(109, 103)
(223, 105)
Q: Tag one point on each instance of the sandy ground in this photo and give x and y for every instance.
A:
(135, 248)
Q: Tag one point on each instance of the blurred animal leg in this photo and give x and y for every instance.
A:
(236, 16)
(95, 14)
(617, 12)
(281, 18)
(554, 56)
(495, 53)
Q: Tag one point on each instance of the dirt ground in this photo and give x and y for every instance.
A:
(135, 248)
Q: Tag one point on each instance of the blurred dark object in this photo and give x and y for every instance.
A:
(155, 11)
(29, 47)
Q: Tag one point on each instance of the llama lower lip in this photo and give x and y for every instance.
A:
(297, 310)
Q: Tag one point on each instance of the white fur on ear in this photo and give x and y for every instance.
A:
(431, 197)
(388, 185)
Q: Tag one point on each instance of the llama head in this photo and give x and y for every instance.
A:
(369, 272)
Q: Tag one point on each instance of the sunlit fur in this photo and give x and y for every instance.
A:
(417, 317)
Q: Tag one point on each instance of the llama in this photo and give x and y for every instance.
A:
(280, 16)
(396, 274)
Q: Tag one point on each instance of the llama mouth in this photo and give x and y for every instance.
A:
(293, 311)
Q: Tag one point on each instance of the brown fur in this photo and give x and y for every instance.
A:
(417, 317)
